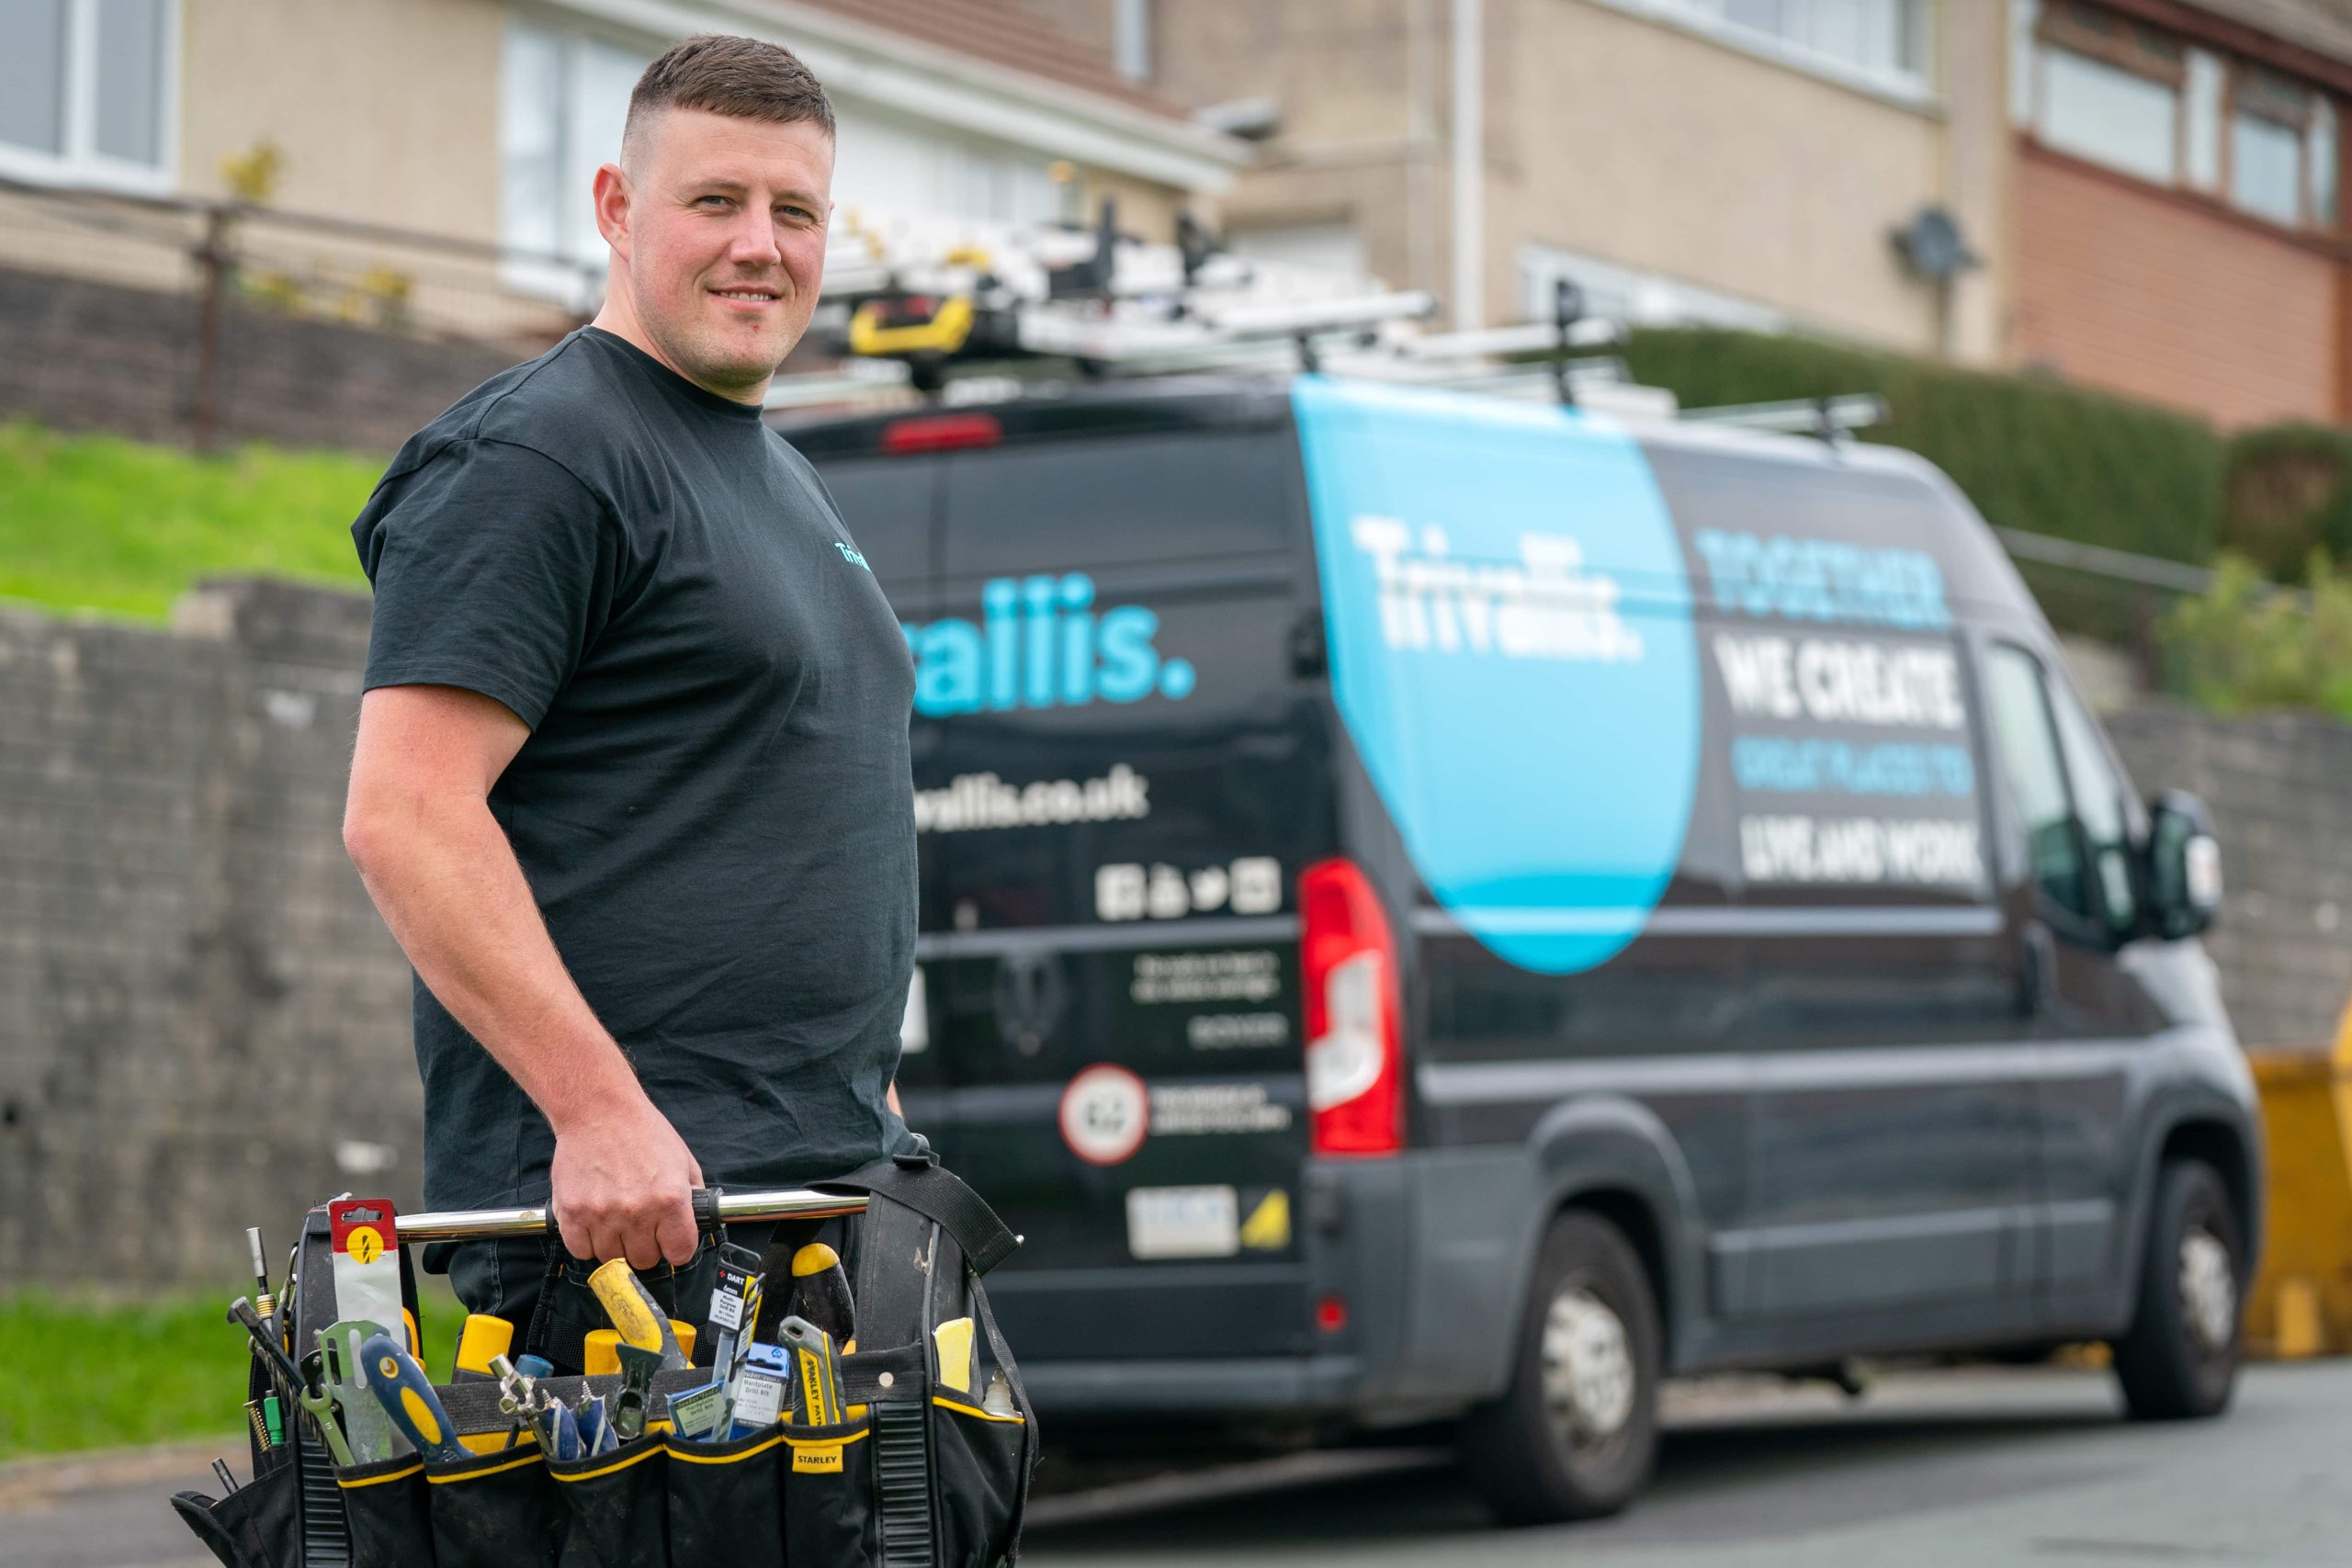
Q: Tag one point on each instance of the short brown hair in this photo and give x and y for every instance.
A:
(722, 73)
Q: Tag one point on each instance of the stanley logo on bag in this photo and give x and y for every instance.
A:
(817, 1459)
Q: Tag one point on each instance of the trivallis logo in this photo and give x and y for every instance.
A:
(1546, 606)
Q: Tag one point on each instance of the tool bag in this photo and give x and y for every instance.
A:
(923, 1477)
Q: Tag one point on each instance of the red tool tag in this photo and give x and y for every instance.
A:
(364, 1228)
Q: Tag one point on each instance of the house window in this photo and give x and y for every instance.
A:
(2282, 151)
(885, 163)
(1131, 39)
(86, 90)
(563, 97)
(2112, 91)
(1880, 38)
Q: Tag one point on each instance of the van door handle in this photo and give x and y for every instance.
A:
(2037, 969)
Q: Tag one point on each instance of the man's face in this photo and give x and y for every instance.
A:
(723, 240)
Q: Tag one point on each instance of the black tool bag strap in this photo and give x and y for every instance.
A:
(931, 1190)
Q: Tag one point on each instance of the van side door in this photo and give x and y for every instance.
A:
(1889, 1123)
(2073, 824)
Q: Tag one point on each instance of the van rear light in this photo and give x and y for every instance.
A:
(1356, 1049)
(941, 433)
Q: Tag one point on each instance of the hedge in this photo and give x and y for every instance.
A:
(2289, 495)
(2032, 453)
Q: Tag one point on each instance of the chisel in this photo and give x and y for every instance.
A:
(400, 1386)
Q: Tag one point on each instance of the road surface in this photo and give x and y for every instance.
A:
(2030, 1467)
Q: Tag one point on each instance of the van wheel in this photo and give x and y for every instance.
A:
(1576, 1436)
(2181, 1358)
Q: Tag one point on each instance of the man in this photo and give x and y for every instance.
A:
(632, 784)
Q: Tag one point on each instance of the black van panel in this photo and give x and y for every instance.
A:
(1851, 1124)
(1125, 771)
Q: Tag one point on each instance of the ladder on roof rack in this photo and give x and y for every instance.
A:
(962, 312)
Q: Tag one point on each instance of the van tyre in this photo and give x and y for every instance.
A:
(2179, 1361)
(1576, 1436)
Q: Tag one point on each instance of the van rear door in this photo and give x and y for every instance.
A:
(1127, 772)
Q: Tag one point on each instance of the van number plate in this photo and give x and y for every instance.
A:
(1184, 1221)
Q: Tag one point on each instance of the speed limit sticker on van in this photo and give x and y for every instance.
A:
(1184, 1221)
(1104, 1114)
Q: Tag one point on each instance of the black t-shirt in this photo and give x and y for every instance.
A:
(715, 806)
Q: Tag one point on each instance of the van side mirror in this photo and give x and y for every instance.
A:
(2183, 866)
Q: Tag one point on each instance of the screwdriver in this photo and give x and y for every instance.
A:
(820, 1292)
(400, 1386)
(265, 1304)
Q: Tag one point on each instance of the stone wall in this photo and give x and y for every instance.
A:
(79, 354)
(2281, 788)
(204, 1024)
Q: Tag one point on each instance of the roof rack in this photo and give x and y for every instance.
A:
(926, 310)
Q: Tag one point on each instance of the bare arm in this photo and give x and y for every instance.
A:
(417, 824)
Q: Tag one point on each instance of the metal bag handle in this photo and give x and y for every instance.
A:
(713, 1208)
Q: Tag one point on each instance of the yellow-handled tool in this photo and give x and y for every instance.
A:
(480, 1339)
(631, 1307)
(816, 1372)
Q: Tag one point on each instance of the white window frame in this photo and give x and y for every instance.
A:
(575, 282)
(1130, 39)
(81, 163)
(1913, 88)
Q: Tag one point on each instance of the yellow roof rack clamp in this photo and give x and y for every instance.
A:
(944, 334)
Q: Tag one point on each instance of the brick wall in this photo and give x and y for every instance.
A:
(2155, 295)
(204, 1024)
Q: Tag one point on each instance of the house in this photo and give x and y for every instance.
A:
(484, 121)
(427, 167)
(1745, 163)
(2179, 201)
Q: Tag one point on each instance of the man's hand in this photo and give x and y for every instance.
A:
(623, 1183)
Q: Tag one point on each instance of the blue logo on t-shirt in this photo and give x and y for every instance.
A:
(1039, 644)
(851, 556)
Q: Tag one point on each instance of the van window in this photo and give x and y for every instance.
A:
(2024, 735)
(2100, 805)
(1113, 501)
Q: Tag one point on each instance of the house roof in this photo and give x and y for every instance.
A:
(1001, 33)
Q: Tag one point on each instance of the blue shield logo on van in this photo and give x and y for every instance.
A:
(1512, 653)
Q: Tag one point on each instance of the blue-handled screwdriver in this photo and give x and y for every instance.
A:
(400, 1386)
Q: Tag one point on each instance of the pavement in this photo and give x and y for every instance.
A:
(1968, 1467)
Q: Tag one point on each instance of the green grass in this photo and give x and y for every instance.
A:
(82, 1374)
(96, 522)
